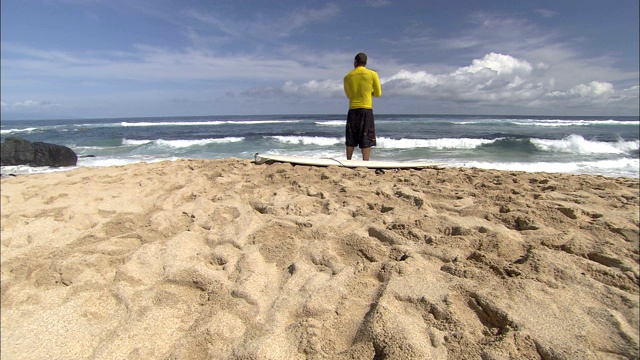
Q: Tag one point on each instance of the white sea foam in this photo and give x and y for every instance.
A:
(316, 136)
(181, 143)
(387, 143)
(331, 123)
(199, 142)
(440, 144)
(89, 148)
(25, 169)
(549, 122)
(316, 154)
(560, 122)
(177, 123)
(308, 140)
(128, 142)
(259, 122)
(619, 167)
(556, 123)
(205, 123)
(578, 144)
(17, 131)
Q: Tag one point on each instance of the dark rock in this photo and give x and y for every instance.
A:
(18, 151)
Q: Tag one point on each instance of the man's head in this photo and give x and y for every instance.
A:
(361, 59)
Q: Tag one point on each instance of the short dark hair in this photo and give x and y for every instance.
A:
(361, 58)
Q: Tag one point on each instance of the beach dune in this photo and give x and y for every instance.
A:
(227, 259)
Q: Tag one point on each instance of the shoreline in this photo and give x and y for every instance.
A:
(229, 259)
(447, 166)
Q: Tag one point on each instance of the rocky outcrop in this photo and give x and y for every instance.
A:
(18, 151)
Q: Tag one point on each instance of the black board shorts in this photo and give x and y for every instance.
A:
(361, 129)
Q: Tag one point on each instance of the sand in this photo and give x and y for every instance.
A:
(227, 259)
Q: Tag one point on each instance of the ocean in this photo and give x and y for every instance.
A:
(599, 145)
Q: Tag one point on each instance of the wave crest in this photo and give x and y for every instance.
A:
(181, 143)
(578, 144)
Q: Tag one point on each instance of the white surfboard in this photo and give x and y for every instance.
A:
(372, 164)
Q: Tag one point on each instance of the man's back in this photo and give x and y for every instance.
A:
(359, 85)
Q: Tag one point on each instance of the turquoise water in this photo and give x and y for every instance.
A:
(593, 145)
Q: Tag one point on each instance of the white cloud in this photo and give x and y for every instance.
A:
(326, 88)
(493, 80)
(378, 3)
(498, 80)
(263, 27)
(27, 103)
(595, 89)
(594, 93)
(631, 93)
(413, 77)
(501, 64)
(153, 64)
(300, 18)
(546, 13)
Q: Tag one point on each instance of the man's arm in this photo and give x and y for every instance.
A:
(347, 88)
(376, 88)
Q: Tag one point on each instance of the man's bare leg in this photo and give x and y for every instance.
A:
(349, 152)
(365, 153)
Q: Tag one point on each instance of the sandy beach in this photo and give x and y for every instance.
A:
(227, 259)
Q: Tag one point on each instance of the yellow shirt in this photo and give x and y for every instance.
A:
(359, 85)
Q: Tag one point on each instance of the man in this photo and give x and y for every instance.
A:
(359, 85)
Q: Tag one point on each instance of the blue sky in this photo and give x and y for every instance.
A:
(145, 58)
